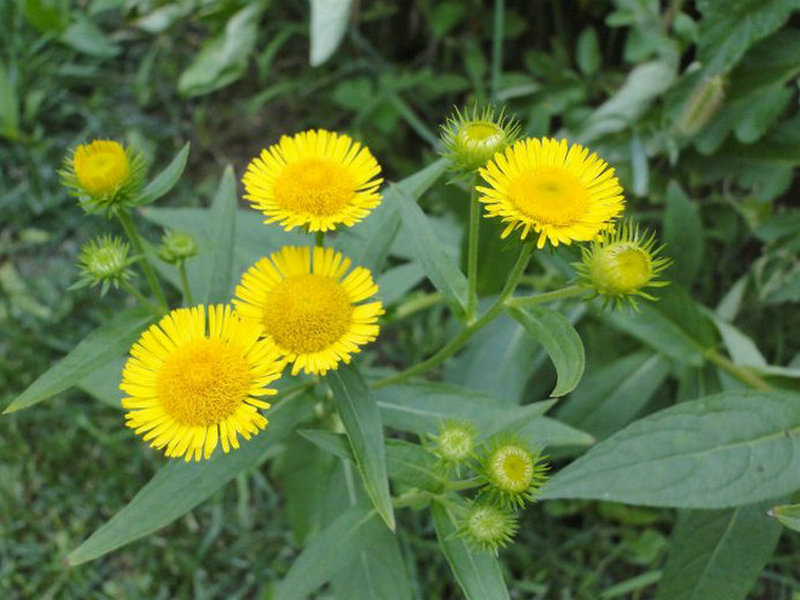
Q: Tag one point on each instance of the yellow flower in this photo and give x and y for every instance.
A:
(316, 179)
(309, 308)
(562, 193)
(621, 264)
(190, 386)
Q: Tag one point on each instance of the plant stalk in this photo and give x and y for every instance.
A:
(743, 374)
(566, 292)
(133, 235)
(472, 251)
(187, 289)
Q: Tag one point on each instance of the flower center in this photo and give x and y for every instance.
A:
(481, 133)
(513, 468)
(307, 313)
(627, 269)
(203, 382)
(549, 195)
(101, 172)
(314, 185)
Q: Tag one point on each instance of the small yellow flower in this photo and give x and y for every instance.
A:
(315, 179)
(309, 308)
(622, 264)
(558, 191)
(513, 473)
(473, 137)
(192, 383)
(488, 527)
(103, 174)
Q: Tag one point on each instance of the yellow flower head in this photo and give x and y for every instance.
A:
(309, 308)
(103, 174)
(316, 179)
(192, 382)
(622, 263)
(513, 473)
(560, 192)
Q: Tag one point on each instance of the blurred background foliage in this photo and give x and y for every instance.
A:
(694, 103)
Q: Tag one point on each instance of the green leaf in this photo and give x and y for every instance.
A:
(787, 515)
(166, 179)
(440, 268)
(180, 486)
(414, 466)
(395, 283)
(612, 396)
(362, 422)
(333, 443)
(215, 281)
(718, 555)
(560, 340)
(683, 235)
(84, 36)
(99, 348)
(103, 383)
(9, 105)
(477, 572)
(328, 25)
(326, 554)
(223, 59)
(716, 452)
(587, 51)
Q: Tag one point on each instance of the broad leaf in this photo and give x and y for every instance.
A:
(103, 383)
(215, 285)
(328, 25)
(166, 179)
(560, 340)
(326, 554)
(440, 268)
(180, 486)
(99, 348)
(718, 555)
(336, 444)
(477, 572)
(362, 422)
(683, 235)
(719, 451)
(412, 465)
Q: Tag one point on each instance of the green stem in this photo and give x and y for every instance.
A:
(464, 484)
(497, 47)
(412, 497)
(743, 374)
(187, 289)
(126, 285)
(130, 229)
(319, 239)
(416, 304)
(457, 342)
(472, 251)
(567, 292)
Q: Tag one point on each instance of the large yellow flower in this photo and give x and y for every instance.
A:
(315, 178)
(190, 386)
(308, 307)
(562, 193)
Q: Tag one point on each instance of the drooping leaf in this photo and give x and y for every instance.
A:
(560, 340)
(166, 179)
(477, 572)
(362, 422)
(328, 25)
(99, 348)
(180, 486)
(719, 451)
(326, 554)
(718, 554)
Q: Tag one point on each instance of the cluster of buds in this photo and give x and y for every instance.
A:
(508, 476)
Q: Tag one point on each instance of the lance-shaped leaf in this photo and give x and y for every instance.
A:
(99, 348)
(166, 179)
(560, 340)
(787, 515)
(180, 486)
(362, 422)
(719, 451)
(477, 572)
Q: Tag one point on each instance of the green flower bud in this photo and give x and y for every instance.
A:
(104, 261)
(702, 104)
(488, 527)
(473, 137)
(176, 247)
(622, 264)
(455, 442)
(513, 473)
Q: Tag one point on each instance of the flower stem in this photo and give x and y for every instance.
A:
(566, 292)
(497, 47)
(319, 239)
(126, 285)
(743, 374)
(187, 289)
(472, 251)
(457, 342)
(130, 229)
